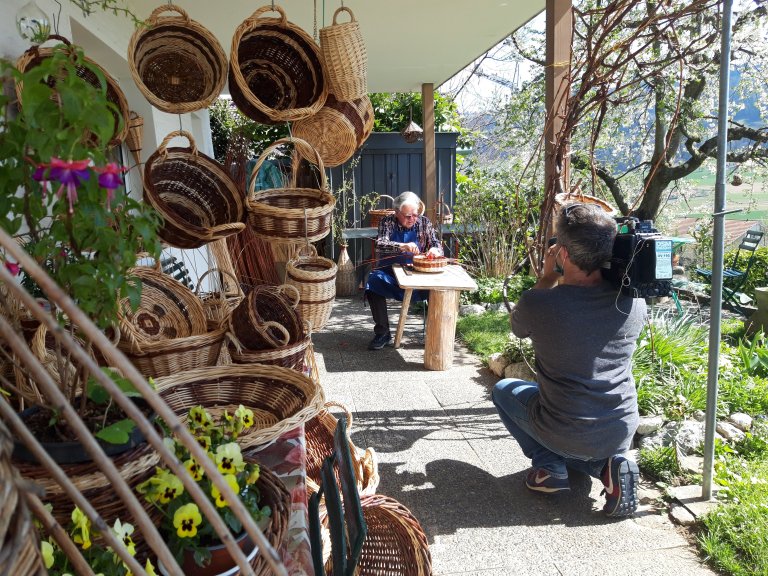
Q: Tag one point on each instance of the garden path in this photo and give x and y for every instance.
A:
(444, 454)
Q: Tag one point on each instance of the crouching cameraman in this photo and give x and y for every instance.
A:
(582, 413)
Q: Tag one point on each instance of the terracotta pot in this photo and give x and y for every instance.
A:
(221, 563)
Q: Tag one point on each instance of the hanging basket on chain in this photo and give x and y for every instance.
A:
(412, 133)
(135, 136)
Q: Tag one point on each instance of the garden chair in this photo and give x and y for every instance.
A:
(734, 278)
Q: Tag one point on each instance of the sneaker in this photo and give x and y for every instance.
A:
(620, 479)
(379, 341)
(540, 480)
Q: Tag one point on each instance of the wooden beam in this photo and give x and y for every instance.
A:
(559, 29)
(429, 193)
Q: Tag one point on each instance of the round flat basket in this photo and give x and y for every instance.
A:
(87, 71)
(196, 197)
(565, 198)
(276, 72)
(422, 263)
(285, 215)
(345, 57)
(280, 398)
(315, 279)
(338, 130)
(176, 63)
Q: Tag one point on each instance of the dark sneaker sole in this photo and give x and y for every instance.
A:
(377, 347)
(546, 489)
(629, 476)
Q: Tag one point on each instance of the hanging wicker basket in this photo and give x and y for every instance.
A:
(87, 70)
(315, 279)
(290, 214)
(412, 133)
(267, 318)
(176, 63)
(338, 130)
(276, 72)
(134, 138)
(345, 57)
(196, 197)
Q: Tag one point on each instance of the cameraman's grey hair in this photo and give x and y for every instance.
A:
(588, 232)
(407, 199)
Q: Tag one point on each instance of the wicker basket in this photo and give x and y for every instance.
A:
(319, 435)
(346, 60)
(564, 198)
(35, 55)
(315, 279)
(135, 137)
(376, 214)
(338, 130)
(196, 197)
(176, 63)
(285, 215)
(288, 356)
(219, 305)
(280, 398)
(267, 318)
(446, 216)
(276, 72)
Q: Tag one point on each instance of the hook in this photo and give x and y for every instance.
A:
(57, 19)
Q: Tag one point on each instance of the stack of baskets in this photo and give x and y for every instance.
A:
(315, 279)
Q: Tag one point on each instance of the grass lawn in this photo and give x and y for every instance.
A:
(484, 334)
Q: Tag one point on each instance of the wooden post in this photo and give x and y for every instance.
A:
(430, 170)
(441, 329)
(559, 28)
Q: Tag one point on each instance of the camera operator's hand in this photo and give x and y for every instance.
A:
(549, 277)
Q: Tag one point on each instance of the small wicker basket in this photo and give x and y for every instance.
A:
(219, 305)
(346, 60)
(376, 214)
(267, 318)
(315, 279)
(176, 63)
(289, 356)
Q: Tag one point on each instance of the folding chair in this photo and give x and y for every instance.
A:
(734, 278)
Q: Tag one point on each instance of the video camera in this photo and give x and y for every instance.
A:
(641, 263)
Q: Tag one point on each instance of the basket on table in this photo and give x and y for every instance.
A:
(315, 278)
(290, 214)
(176, 62)
(87, 70)
(319, 437)
(219, 305)
(280, 398)
(338, 130)
(276, 71)
(196, 197)
(345, 57)
(291, 355)
(267, 318)
(377, 214)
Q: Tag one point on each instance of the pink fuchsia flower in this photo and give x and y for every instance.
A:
(41, 175)
(70, 174)
(12, 267)
(110, 180)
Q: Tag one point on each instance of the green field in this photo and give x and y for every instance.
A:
(751, 196)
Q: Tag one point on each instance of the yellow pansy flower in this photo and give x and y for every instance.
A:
(204, 441)
(162, 487)
(200, 419)
(229, 458)
(194, 469)
(47, 550)
(186, 520)
(253, 477)
(123, 532)
(82, 528)
(217, 496)
(245, 415)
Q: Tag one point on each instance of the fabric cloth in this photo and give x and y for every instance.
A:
(585, 404)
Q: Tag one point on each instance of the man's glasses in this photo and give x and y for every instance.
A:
(409, 216)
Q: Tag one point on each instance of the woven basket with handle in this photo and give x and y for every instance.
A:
(268, 318)
(279, 397)
(196, 197)
(315, 278)
(289, 356)
(346, 60)
(276, 72)
(218, 305)
(376, 214)
(176, 63)
(285, 215)
(338, 130)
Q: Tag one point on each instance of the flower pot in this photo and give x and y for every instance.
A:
(221, 563)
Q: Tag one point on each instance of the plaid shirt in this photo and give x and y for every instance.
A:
(388, 226)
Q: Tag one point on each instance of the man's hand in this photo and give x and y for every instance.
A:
(434, 252)
(549, 277)
(411, 247)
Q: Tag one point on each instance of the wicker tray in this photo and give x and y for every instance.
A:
(280, 398)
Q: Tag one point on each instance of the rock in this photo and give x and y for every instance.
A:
(729, 431)
(688, 434)
(693, 464)
(471, 310)
(681, 515)
(649, 424)
(699, 415)
(519, 370)
(496, 307)
(742, 421)
(497, 362)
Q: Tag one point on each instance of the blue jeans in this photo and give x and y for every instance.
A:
(511, 398)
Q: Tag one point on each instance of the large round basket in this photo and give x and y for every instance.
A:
(289, 356)
(196, 197)
(315, 279)
(345, 57)
(268, 318)
(276, 72)
(176, 63)
(338, 129)
(285, 215)
(565, 198)
(280, 398)
(87, 70)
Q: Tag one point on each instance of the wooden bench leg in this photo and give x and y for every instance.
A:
(403, 314)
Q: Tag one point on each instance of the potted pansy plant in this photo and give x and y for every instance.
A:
(189, 535)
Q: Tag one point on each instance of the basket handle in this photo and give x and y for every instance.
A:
(342, 9)
(220, 271)
(265, 328)
(184, 134)
(231, 227)
(310, 251)
(447, 211)
(167, 8)
(269, 8)
(387, 196)
(297, 142)
(347, 413)
(296, 295)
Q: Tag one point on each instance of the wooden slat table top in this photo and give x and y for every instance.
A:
(453, 277)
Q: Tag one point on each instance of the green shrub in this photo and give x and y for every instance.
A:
(758, 273)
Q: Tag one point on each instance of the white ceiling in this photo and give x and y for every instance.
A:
(409, 42)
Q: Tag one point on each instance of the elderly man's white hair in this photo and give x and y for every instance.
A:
(407, 199)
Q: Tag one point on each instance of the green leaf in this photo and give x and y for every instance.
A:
(117, 433)
(97, 393)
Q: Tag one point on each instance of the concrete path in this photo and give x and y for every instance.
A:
(445, 455)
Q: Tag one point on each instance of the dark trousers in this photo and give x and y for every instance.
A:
(379, 312)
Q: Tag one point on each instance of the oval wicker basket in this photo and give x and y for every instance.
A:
(276, 71)
(267, 318)
(345, 57)
(289, 356)
(315, 279)
(196, 197)
(376, 214)
(35, 55)
(176, 63)
(285, 215)
(338, 130)
(280, 398)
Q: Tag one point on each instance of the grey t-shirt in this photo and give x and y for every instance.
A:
(584, 338)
